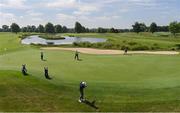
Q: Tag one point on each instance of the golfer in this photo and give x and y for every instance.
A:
(24, 70)
(46, 74)
(76, 57)
(125, 50)
(42, 56)
(82, 86)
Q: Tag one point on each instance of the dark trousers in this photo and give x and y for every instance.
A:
(24, 72)
(47, 75)
(41, 57)
(81, 94)
(76, 57)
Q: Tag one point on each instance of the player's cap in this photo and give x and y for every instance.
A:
(84, 83)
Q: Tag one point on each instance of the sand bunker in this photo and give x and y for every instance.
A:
(110, 52)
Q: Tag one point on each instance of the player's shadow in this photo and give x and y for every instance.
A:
(44, 60)
(25, 74)
(79, 60)
(48, 77)
(128, 54)
(91, 104)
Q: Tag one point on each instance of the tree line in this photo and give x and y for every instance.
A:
(174, 27)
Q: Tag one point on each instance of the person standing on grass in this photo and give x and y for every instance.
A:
(76, 57)
(24, 70)
(42, 55)
(46, 73)
(125, 51)
(83, 85)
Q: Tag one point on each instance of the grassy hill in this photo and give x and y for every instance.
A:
(116, 82)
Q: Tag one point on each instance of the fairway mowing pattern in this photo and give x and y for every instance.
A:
(117, 83)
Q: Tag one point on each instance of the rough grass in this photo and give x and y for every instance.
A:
(142, 41)
(116, 82)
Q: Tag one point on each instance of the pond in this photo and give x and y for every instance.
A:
(35, 39)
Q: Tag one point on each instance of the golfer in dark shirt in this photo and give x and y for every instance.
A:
(24, 70)
(126, 50)
(42, 56)
(81, 88)
(46, 74)
(76, 57)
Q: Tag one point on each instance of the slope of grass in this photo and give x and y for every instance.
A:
(117, 83)
(10, 42)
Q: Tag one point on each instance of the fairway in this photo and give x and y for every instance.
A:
(116, 82)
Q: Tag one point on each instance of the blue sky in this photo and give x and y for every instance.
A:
(90, 13)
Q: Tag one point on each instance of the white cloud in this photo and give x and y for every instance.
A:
(7, 18)
(80, 8)
(30, 18)
(65, 17)
(61, 4)
(37, 19)
(86, 20)
(33, 13)
(15, 4)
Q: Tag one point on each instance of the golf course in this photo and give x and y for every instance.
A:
(116, 82)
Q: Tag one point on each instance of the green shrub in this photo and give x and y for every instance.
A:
(140, 47)
(75, 44)
(86, 44)
(107, 45)
(178, 46)
(125, 47)
(132, 43)
(97, 45)
(71, 35)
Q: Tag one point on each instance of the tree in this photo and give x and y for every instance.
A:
(29, 28)
(153, 27)
(179, 27)
(64, 29)
(163, 28)
(33, 28)
(87, 30)
(78, 27)
(101, 30)
(49, 28)
(5, 28)
(40, 28)
(83, 29)
(58, 28)
(174, 27)
(139, 27)
(24, 29)
(143, 27)
(112, 30)
(15, 28)
(136, 27)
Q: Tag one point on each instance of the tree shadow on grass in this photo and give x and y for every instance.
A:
(91, 104)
